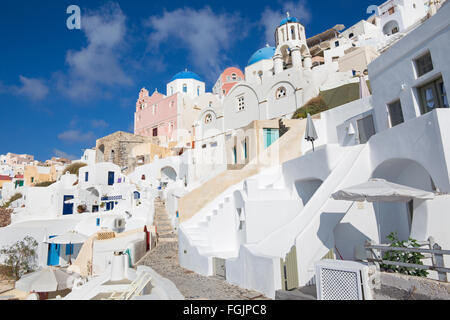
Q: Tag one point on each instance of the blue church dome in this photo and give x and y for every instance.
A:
(262, 54)
(186, 75)
(288, 19)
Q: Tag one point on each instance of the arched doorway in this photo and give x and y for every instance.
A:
(398, 216)
(168, 174)
(391, 28)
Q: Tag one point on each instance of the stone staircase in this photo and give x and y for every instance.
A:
(163, 224)
(280, 151)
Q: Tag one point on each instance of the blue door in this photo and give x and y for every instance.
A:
(110, 178)
(67, 207)
(108, 206)
(53, 253)
(270, 136)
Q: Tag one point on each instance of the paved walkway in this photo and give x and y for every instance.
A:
(164, 260)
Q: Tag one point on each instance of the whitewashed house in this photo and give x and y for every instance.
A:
(399, 134)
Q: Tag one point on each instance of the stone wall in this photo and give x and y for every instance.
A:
(395, 286)
(117, 148)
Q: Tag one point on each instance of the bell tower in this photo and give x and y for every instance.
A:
(292, 50)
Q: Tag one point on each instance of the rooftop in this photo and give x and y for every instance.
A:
(186, 75)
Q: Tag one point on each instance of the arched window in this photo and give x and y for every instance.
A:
(198, 90)
(234, 76)
(351, 35)
(293, 32)
(208, 118)
(281, 92)
(185, 88)
(171, 90)
(143, 177)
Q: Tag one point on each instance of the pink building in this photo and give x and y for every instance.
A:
(162, 116)
(227, 80)
(156, 115)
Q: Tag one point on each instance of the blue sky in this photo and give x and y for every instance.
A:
(62, 89)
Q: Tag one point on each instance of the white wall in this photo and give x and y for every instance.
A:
(395, 68)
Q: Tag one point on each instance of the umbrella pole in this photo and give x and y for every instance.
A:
(312, 144)
(377, 212)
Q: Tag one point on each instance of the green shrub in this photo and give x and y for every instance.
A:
(402, 256)
(74, 168)
(15, 197)
(20, 258)
(313, 106)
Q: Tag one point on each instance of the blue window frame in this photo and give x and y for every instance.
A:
(184, 87)
(110, 178)
(245, 148)
(97, 222)
(86, 176)
(69, 249)
(67, 207)
(270, 136)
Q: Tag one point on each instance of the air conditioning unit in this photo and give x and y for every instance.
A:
(119, 223)
(342, 280)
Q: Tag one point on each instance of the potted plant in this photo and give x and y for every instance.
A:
(81, 208)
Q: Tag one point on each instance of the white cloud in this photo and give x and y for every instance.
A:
(99, 123)
(62, 154)
(30, 88)
(98, 65)
(270, 19)
(76, 136)
(203, 33)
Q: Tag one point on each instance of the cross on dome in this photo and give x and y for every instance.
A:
(287, 14)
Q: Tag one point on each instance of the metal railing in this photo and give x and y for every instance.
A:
(434, 251)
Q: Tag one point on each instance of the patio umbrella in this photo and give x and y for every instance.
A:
(381, 190)
(310, 134)
(70, 237)
(45, 280)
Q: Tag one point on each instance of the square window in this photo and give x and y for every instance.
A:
(395, 113)
(424, 64)
(241, 103)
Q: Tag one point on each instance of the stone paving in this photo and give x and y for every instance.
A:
(164, 260)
